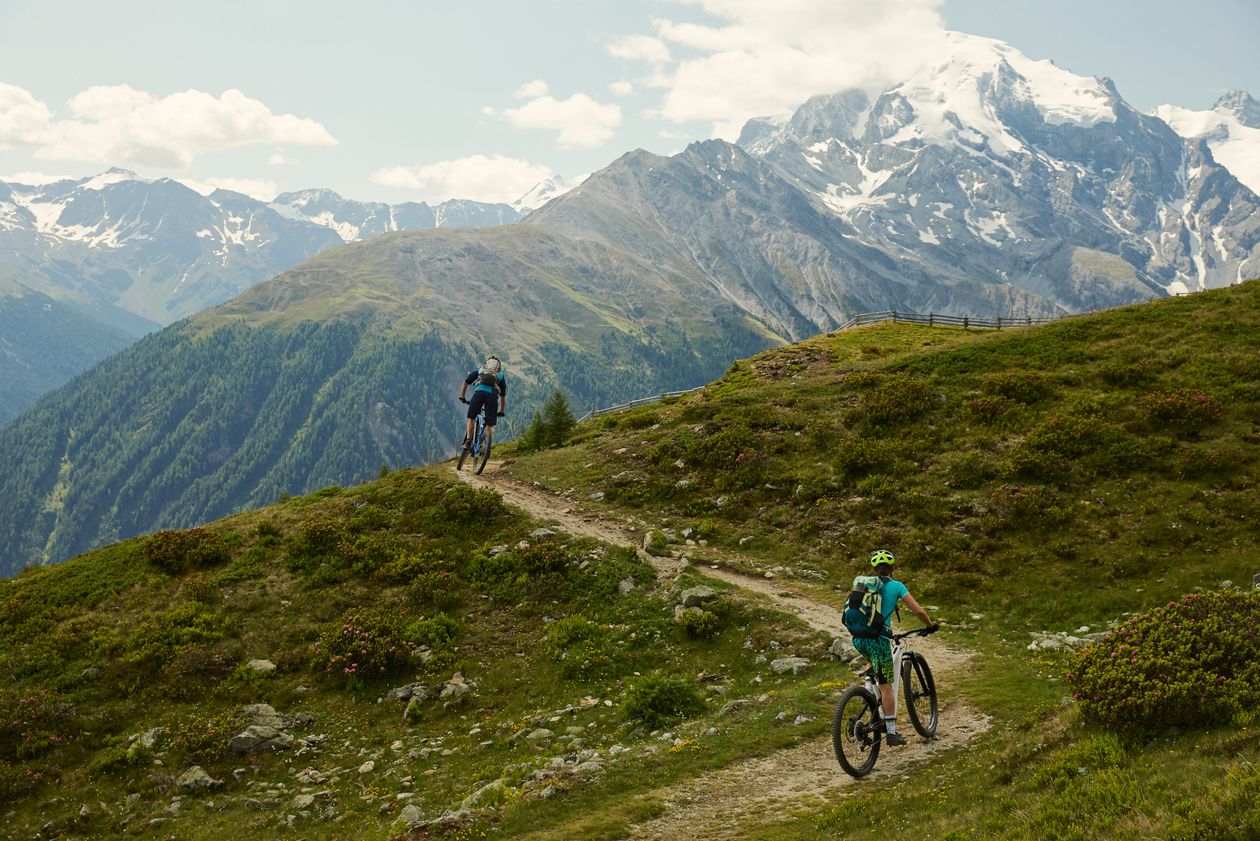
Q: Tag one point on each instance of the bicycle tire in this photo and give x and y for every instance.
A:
(920, 691)
(485, 454)
(857, 731)
(463, 454)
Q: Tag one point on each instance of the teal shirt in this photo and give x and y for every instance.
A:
(894, 591)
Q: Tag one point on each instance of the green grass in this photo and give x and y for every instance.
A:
(1031, 480)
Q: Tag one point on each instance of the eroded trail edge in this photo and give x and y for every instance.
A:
(729, 802)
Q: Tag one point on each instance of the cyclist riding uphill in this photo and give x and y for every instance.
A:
(868, 617)
(489, 395)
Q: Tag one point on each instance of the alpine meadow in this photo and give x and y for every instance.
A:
(847, 309)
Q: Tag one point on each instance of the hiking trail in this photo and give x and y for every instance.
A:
(730, 802)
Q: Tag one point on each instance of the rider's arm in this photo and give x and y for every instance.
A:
(917, 610)
(502, 394)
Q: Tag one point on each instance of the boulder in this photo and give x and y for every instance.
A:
(195, 779)
(626, 585)
(732, 706)
(259, 738)
(488, 794)
(697, 596)
(406, 693)
(265, 667)
(411, 815)
(783, 665)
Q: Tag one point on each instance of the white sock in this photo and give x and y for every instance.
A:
(890, 724)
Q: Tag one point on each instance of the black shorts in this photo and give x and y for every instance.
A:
(484, 400)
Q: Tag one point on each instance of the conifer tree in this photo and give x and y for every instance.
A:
(531, 439)
(557, 420)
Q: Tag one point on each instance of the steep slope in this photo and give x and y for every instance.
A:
(43, 343)
(349, 362)
(1231, 130)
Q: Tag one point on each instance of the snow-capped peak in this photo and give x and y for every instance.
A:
(1231, 129)
(544, 191)
(964, 95)
(113, 175)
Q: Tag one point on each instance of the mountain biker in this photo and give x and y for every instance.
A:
(490, 383)
(879, 649)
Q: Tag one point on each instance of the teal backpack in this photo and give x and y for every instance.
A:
(864, 609)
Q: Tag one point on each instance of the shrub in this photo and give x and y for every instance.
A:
(990, 409)
(1014, 504)
(896, 401)
(178, 551)
(1185, 410)
(202, 737)
(1019, 386)
(365, 644)
(18, 780)
(582, 648)
(33, 722)
(700, 625)
(859, 456)
(438, 588)
(1194, 661)
(656, 700)
(433, 632)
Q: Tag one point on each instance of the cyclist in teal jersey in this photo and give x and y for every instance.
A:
(879, 650)
(489, 395)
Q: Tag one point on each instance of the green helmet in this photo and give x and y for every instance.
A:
(882, 556)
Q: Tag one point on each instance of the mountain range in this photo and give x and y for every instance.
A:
(989, 184)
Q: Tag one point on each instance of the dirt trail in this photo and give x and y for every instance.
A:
(727, 803)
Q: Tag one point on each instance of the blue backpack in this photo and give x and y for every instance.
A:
(864, 609)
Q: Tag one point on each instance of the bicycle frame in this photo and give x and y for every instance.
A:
(479, 425)
(899, 651)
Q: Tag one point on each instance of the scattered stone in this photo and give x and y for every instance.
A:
(90, 673)
(411, 815)
(265, 667)
(744, 541)
(302, 801)
(697, 596)
(596, 497)
(802, 718)
(151, 738)
(539, 736)
(731, 706)
(406, 693)
(490, 792)
(626, 586)
(783, 665)
(195, 779)
(259, 738)
(539, 534)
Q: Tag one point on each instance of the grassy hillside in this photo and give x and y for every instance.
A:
(1030, 482)
(344, 364)
(539, 653)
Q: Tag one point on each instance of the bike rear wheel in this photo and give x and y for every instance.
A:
(463, 454)
(920, 690)
(484, 455)
(857, 731)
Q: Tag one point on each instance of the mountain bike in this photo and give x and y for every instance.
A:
(858, 728)
(478, 446)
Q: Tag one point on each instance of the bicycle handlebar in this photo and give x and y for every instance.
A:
(917, 632)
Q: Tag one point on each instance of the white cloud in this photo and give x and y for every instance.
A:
(640, 48)
(621, 88)
(34, 179)
(117, 124)
(24, 120)
(278, 158)
(579, 121)
(529, 90)
(764, 59)
(258, 188)
(496, 178)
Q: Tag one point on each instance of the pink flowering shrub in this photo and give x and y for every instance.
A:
(34, 721)
(1192, 662)
(1185, 410)
(366, 644)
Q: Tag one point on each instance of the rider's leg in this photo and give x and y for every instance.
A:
(468, 432)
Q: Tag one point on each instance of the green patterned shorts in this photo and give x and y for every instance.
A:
(879, 652)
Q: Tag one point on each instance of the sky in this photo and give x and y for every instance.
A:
(425, 100)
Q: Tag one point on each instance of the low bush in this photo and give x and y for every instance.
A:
(1192, 662)
(701, 625)
(179, 551)
(433, 632)
(1024, 504)
(366, 644)
(1018, 386)
(1185, 410)
(203, 738)
(33, 722)
(656, 700)
(896, 401)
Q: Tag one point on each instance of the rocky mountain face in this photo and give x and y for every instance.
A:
(142, 253)
(987, 184)
(1231, 131)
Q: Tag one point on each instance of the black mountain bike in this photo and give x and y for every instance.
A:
(478, 446)
(858, 728)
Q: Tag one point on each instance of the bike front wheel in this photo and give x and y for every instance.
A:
(857, 731)
(920, 691)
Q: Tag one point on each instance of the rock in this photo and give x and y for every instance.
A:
(539, 534)
(411, 815)
(587, 769)
(151, 738)
(744, 541)
(265, 667)
(258, 738)
(783, 665)
(840, 649)
(596, 497)
(731, 706)
(89, 674)
(539, 736)
(626, 585)
(680, 612)
(302, 801)
(802, 718)
(489, 793)
(696, 596)
(367, 767)
(406, 693)
(195, 779)
(721, 501)
(455, 688)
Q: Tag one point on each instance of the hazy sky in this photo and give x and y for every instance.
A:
(481, 99)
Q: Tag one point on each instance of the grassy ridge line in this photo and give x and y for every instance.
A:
(1041, 480)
